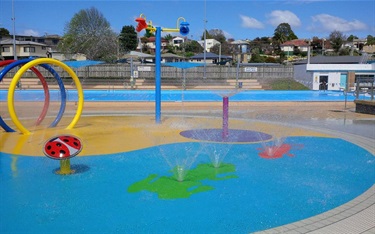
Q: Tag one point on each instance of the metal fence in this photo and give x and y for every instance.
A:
(147, 71)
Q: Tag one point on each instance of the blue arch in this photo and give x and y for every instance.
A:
(4, 71)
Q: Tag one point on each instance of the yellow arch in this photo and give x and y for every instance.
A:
(18, 76)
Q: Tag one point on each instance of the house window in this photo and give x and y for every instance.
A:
(5, 49)
(29, 49)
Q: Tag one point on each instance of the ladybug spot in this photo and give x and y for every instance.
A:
(58, 144)
(53, 152)
(49, 147)
(62, 152)
(66, 140)
(75, 143)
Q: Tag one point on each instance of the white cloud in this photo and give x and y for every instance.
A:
(277, 17)
(329, 23)
(248, 22)
(30, 32)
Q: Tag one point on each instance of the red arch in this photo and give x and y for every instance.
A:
(45, 88)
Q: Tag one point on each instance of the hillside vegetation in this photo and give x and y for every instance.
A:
(286, 84)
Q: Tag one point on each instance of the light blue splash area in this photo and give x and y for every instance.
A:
(323, 173)
(185, 96)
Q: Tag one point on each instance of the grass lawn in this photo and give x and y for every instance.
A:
(286, 84)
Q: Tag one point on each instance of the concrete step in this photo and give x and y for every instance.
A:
(140, 84)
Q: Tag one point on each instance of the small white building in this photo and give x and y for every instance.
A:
(333, 72)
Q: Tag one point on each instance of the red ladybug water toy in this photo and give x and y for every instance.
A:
(62, 147)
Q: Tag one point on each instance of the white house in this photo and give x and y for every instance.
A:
(209, 43)
(151, 43)
(177, 41)
(289, 47)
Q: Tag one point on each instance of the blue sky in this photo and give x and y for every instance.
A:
(238, 19)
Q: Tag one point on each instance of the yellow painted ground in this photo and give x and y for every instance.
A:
(114, 134)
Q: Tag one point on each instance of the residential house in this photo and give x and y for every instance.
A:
(168, 58)
(177, 41)
(152, 45)
(361, 45)
(24, 49)
(37, 46)
(241, 50)
(210, 58)
(209, 43)
(291, 47)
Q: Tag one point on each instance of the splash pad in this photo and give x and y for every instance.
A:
(130, 177)
(182, 175)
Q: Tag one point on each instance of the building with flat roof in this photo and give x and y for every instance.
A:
(333, 72)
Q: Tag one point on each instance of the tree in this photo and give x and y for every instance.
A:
(127, 39)
(282, 33)
(4, 32)
(260, 45)
(351, 38)
(337, 39)
(88, 32)
(226, 48)
(192, 47)
(370, 40)
(317, 45)
(208, 36)
(218, 35)
(168, 37)
(149, 33)
(256, 58)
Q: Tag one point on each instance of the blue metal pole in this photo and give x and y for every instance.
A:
(158, 75)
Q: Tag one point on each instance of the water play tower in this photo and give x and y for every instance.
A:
(183, 28)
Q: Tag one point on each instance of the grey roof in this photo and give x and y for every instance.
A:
(320, 59)
(10, 42)
(136, 54)
(240, 42)
(209, 55)
(170, 55)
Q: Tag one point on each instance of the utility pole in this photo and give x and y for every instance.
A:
(204, 41)
(14, 32)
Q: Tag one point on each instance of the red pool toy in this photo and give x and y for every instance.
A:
(62, 147)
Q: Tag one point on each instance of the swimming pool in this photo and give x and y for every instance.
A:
(186, 96)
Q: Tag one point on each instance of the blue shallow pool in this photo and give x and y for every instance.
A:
(186, 96)
(264, 193)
